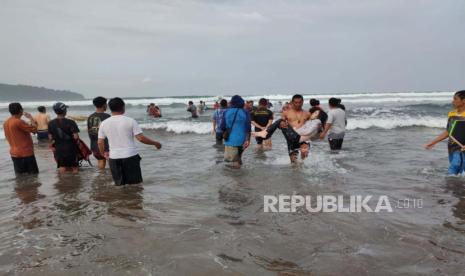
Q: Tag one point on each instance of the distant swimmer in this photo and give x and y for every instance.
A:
(18, 135)
(456, 152)
(64, 134)
(120, 131)
(335, 125)
(202, 107)
(153, 110)
(93, 125)
(217, 118)
(42, 119)
(261, 119)
(192, 109)
(236, 127)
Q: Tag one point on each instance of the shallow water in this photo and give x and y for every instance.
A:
(194, 216)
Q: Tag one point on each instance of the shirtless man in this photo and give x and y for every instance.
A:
(296, 117)
(42, 119)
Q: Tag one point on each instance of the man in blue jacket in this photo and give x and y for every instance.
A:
(237, 123)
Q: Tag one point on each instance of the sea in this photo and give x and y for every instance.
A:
(195, 216)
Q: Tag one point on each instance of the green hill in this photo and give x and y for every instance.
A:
(31, 93)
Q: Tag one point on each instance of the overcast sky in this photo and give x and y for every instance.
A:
(214, 47)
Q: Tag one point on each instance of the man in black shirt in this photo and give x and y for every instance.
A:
(64, 134)
(93, 125)
(261, 119)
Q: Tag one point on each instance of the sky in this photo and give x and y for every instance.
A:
(206, 47)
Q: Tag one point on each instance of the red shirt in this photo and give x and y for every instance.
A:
(18, 135)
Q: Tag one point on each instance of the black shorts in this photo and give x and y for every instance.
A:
(66, 155)
(96, 151)
(219, 137)
(335, 144)
(25, 165)
(42, 135)
(126, 170)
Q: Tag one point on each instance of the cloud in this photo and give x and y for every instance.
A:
(252, 47)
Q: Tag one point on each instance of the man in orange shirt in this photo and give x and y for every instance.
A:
(18, 135)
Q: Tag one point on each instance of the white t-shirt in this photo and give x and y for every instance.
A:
(337, 119)
(310, 128)
(120, 131)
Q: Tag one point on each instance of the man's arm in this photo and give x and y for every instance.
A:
(101, 146)
(327, 127)
(145, 140)
(31, 128)
(438, 139)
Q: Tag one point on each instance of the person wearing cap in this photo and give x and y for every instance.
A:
(120, 131)
(237, 124)
(64, 133)
(18, 135)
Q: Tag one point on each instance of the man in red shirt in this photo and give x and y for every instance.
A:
(18, 135)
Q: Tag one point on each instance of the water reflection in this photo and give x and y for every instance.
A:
(122, 201)
(27, 188)
(457, 186)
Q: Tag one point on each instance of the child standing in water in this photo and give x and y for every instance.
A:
(456, 153)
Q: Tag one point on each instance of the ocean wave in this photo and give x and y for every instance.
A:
(348, 98)
(180, 127)
(395, 122)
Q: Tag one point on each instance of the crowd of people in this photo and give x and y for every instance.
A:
(112, 136)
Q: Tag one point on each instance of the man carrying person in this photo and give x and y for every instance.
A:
(295, 117)
(456, 153)
(18, 135)
(236, 124)
(42, 119)
(217, 117)
(120, 131)
(261, 119)
(64, 134)
(93, 125)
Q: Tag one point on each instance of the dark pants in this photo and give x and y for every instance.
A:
(25, 165)
(219, 138)
(335, 144)
(126, 170)
(291, 136)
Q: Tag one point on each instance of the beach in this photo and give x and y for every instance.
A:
(194, 216)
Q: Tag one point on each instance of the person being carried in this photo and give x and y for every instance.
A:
(456, 153)
(261, 119)
(18, 135)
(120, 131)
(63, 134)
(42, 119)
(93, 125)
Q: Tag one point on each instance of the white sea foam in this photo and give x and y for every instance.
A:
(392, 122)
(346, 98)
(180, 127)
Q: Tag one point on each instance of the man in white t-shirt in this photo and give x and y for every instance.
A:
(120, 131)
(335, 126)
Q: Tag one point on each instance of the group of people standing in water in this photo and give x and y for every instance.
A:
(233, 121)
(112, 137)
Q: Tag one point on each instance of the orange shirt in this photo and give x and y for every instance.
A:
(18, 135)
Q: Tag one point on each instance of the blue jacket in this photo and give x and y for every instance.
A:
(241, 128)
